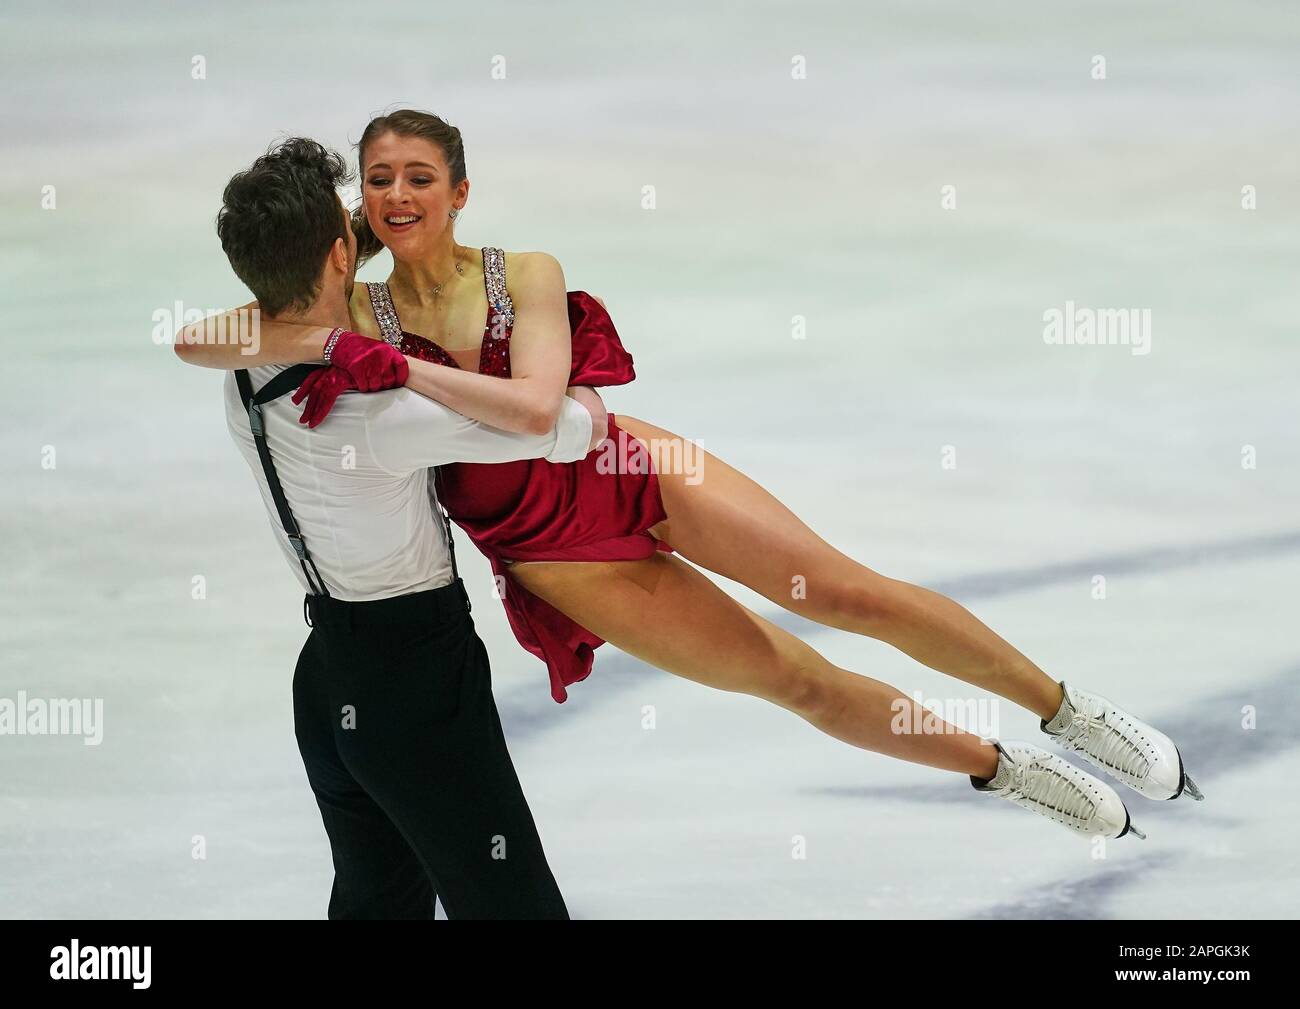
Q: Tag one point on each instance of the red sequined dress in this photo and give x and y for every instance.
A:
(534, 510)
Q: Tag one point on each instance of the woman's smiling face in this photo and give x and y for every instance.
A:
(408, 193)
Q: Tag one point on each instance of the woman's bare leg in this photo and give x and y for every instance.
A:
(727, 523)
(667, 613)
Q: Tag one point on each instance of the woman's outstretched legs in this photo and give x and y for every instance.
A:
(667, 613)
(727, 523)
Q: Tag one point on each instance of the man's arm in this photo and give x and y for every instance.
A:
(407, 432)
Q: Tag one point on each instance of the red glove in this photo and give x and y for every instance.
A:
(321, 388)
(373, 364)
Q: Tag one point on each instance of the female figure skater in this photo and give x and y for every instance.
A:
(588, 555)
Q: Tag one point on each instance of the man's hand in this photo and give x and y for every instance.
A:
(587, 396)
(373, 364)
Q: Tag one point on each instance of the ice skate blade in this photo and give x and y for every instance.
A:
(1132, 829)
(1191, 788)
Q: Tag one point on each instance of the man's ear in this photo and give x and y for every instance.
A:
(339, 255)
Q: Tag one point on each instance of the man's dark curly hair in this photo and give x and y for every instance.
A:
(278, 220)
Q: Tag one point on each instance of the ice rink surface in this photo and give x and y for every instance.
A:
(1172, 475)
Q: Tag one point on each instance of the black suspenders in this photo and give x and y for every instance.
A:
(451, 543)
(287, 381)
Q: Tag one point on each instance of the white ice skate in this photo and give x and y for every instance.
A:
(1126, 748)
(1046, 784)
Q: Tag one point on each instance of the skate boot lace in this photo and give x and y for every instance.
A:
(1055, 791)
(1106, 743)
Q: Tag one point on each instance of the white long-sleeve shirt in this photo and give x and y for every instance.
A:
(360, 484)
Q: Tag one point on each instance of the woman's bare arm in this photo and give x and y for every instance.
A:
(540, 352)
(241, 338)
(540, 357)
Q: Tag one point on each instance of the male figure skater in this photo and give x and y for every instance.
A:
(392, 694)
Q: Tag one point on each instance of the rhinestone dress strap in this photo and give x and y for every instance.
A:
(494, 278)
(381, 300)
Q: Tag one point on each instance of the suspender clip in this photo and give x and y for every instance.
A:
(255, 422)
(299, 547)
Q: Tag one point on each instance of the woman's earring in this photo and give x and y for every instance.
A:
(453, 213)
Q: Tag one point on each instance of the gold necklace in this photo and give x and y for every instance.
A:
(436, 290)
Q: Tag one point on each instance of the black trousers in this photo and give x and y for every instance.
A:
(399, 733)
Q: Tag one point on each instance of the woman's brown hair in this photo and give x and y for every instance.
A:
(405, 123)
